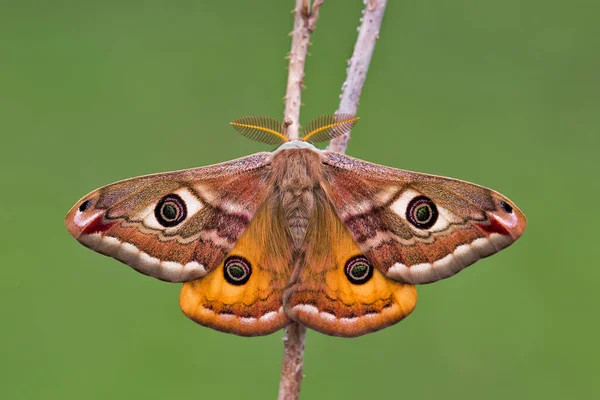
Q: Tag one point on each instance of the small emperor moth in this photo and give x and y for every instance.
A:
(297, 234)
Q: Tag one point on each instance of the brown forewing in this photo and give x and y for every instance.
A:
(368, 199)
(227, 195)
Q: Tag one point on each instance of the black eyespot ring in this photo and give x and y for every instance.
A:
(84, 206)
(170, 210)
(506, 207)
(422, 212)
(358, 270)
(237, 270)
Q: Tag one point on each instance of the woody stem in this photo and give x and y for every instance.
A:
(305, 22)
(358, 66)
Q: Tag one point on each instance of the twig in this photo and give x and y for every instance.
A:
(293, 361)
(358, 66)
(305, 22)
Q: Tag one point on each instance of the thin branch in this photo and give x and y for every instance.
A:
(297, 56)
(305, 22)
(293, 362)
(358, 66)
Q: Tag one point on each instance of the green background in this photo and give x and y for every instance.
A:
(504, 94)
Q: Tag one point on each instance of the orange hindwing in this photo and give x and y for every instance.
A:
(334, 289)
(243, 294)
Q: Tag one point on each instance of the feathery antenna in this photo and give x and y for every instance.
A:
(328, 127)
(262, 129)
(270, 131)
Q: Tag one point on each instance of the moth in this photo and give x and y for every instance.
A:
(297, 234)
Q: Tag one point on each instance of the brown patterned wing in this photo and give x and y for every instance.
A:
(418, 228)
(174, 226)
(335, 289)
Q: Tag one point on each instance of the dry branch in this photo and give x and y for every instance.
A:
(305, 20)
(293, 362)
(358, 65)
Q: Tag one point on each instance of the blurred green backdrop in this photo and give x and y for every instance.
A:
(505, 94)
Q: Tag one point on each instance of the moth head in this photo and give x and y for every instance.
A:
(270, 131)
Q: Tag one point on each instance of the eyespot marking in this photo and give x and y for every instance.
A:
(358, 270)
(422, 212)
(170, 210)
(237, 270)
